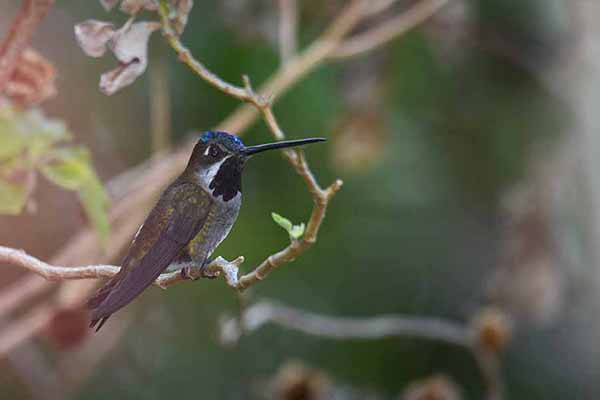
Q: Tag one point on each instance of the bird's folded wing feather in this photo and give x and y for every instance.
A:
(174, 221)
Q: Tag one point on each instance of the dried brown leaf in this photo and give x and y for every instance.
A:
(130, 46)
(33, 80)
(93, 36)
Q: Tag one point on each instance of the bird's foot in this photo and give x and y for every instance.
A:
(186, 274)
(206, 273)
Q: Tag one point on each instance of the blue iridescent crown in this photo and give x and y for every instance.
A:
(228, 140)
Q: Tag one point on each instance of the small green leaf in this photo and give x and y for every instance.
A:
(282, 221)
(12, 198)
(11, 166)
(31, 131)
(95, 203)
(28, 140)
(43, 133)
(69, 168)
(12, 142)
(295, 231)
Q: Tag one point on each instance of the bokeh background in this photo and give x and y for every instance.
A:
(468, 150)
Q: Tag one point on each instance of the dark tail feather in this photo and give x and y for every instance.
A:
(95, 302)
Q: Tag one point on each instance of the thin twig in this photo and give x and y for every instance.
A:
(381, 327)
(389, 30)
(24, 25)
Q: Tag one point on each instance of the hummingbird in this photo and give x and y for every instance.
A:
(191, 218)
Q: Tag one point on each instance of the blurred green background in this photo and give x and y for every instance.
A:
(429, 134)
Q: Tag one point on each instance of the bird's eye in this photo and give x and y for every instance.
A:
(214, 151)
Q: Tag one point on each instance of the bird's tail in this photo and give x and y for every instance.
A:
(101, 295)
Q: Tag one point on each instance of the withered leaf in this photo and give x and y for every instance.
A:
(93, 36)
(130, 45)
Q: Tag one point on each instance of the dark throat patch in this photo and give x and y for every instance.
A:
(228, 180)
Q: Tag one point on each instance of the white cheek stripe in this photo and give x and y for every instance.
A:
(207, 175)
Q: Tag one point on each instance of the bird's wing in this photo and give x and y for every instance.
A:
(174, 221)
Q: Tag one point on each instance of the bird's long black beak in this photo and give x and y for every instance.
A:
(279, 145)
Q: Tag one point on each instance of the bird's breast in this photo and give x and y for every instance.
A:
(215, 229)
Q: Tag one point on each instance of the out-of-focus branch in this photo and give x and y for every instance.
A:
(381, 327)
(33, 367)
(19, 331)
(389, 30)
(380, 6)
(288, 26)
(24, 25)
(160, 106)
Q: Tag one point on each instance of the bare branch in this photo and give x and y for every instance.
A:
(389, 30)
(58, 273)
(381, 327)
(25, 23)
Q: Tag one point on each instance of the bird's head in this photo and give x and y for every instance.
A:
(218, 160)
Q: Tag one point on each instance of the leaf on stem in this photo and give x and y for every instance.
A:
(295, 231)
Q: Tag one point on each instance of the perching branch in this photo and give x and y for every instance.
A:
(24, 25)
(59, 273)
(381, 327)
